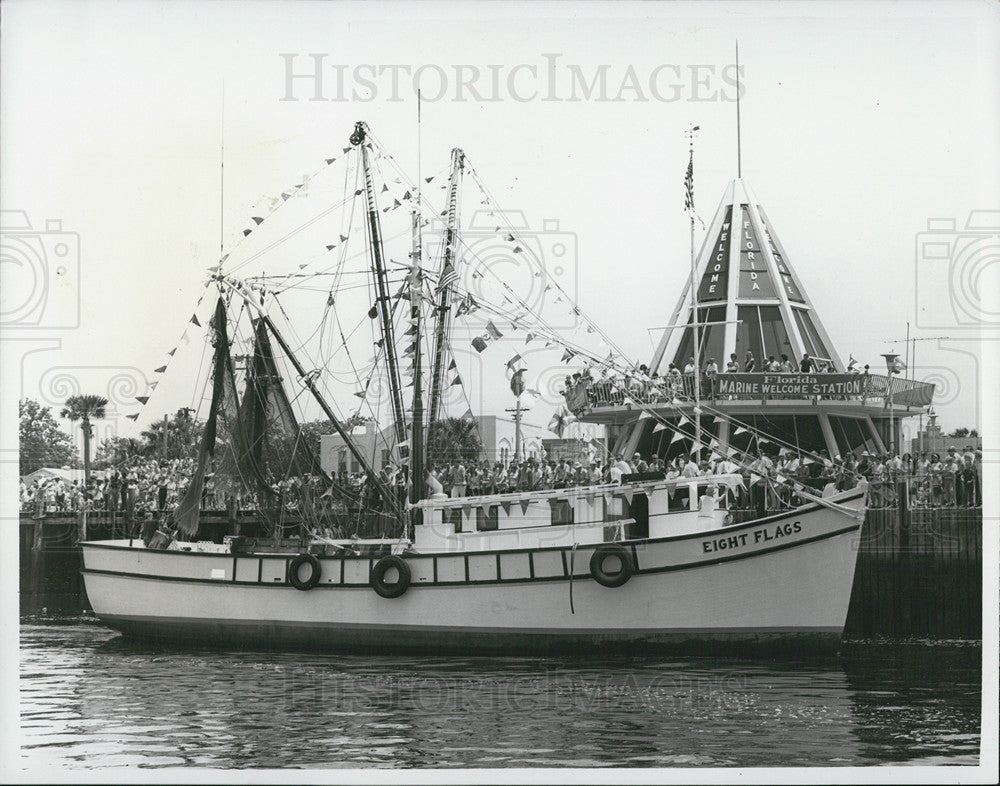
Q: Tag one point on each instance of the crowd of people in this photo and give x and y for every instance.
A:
(642, 385)
(144, 484)
(148, 485)
(769, 481)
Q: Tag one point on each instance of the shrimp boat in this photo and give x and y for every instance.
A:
(645, 563)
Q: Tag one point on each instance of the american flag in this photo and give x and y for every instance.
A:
(689, 184)
(448, 276)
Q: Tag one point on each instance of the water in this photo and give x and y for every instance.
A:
(90, 699)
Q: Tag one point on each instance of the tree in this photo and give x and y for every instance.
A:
(960, 432)
(42, 443)
(83, 408)
(114, 450)
(174, 437)
(453, 439)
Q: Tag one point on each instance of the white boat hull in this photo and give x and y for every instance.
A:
(782, 580)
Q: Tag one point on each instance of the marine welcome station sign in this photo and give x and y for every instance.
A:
(781, 385)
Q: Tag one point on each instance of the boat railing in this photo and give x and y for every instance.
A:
(732, 480)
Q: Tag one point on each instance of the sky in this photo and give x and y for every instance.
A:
(859, 124)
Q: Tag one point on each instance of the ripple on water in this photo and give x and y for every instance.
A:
(90, 699)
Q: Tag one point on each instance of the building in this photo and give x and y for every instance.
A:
(496, 433)
(65, 473)
(750, 303)
(932, 440)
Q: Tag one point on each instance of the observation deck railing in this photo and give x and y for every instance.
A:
(764, 386)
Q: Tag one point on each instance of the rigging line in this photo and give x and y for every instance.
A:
(740, 462)
(575, 308)
(485, 191)
(281, 203)
(549, 334)
(290, 234)
(720, 415)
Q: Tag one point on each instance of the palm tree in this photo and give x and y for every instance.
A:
(83, 408)
(453, 439)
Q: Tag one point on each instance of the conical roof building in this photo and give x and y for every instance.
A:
(748, 296)
(748, 307)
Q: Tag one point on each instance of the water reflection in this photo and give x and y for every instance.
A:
(91, 699)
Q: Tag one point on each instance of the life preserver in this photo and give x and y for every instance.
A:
(314, 572)
(383, 566)
(615, 578)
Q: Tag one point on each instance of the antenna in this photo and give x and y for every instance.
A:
(739, 152)
(222, 173)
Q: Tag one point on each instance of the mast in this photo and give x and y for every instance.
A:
(442, 319)
(417, 484)
(382, 285)
(417, 430)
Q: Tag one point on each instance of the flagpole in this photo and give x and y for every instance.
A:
(739, 146)
(694, 294)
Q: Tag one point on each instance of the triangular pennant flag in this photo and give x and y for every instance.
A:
(396, 203)
(133, 417)
(330, 248)
(452, 365)
(739, 430)
(360, 394)
(142, 399)
(567, 356)
(152, 385)
(347, 150)
(509, 238)
(518, 249)
(257, 220)
(343, 238)
(645, 415)
(677, 435)
(457, 380)
(628, 493)
(506, 508)
(530, 337)
(159, 370)
(524, 503)
(682, 421)
(407, 195)
(285, 197)
(330, 160)
(384, 188)
(194, 320)
(172, 351)
(659, 427)
(247, 232)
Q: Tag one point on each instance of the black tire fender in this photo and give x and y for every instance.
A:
(379, 571)
(616, 578)
(314, 573)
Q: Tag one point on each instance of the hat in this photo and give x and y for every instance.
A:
(636, 454)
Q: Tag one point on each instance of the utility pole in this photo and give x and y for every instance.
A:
(517, 411)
